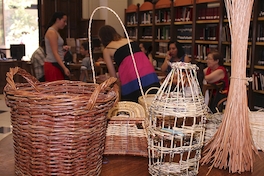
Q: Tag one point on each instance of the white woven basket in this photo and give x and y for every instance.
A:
(176, 131)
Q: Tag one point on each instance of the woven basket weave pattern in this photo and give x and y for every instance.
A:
(54, 132)
(126, 131)
(176, 129)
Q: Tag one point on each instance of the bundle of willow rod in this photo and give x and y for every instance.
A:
(232, 146)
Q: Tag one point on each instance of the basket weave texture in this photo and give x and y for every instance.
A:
(58, 127)
(126, 132)
(176, 130)
(256, 120)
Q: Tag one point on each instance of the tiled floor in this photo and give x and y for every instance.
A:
(5, 122)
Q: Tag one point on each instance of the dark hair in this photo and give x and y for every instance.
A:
(180, 52)
(55, 16)
(108, 34)
(85, 45)
(217, 56)
(148, 47)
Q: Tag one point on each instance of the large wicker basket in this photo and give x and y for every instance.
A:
(126, 132)
(58, 127)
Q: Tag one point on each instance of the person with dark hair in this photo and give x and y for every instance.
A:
(175, 53)
(54, 67)
(215, 73)
(147, 49)
(117, 47)
(86, 63)
(37, 60)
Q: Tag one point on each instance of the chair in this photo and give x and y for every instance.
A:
(217, 97)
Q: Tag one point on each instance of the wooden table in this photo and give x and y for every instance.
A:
(121, 165)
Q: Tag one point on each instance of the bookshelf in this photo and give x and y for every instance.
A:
(183, 21)
(200, 26)
(163, 25)
(131, 21)
(256, 88)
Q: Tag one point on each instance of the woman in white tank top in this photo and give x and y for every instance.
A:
(54, 67)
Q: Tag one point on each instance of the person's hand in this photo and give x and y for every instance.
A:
(168, 56)
(100, 59)
(66, 47)
(67, 71)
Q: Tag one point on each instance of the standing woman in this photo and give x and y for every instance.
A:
(54, 67)
(117, 48)
(175, 53)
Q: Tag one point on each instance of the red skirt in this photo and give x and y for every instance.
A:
(52, 73)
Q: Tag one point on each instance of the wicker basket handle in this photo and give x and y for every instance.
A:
(152, 88)
(17, 70)
(98, 89)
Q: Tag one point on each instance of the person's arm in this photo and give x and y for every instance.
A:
(150, 58)
(109, 63)
(187, 58)
(52, 36)
(165, 64)
(214, 76)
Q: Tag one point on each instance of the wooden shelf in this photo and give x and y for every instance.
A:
(145, 40)
(183, 23)
(206, 21)
(132, 8)
(182, 3)
(163, 4)
(162, 24)
(206, 1)
(161, 40)
(259, 91)
(185, 41)
(131, 25)
(145, 25)
(206, 42)
(146, 6)
(260, 67)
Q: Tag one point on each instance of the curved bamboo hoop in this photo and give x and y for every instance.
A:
(130, 48)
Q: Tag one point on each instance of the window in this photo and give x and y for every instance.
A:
(19, 24)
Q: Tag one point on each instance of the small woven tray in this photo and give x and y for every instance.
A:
(58, 127)
(126, 133)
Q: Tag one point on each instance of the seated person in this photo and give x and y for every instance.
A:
(147, 49)
(175, 53)
(86, 63)
(37, 60)
(215, 73)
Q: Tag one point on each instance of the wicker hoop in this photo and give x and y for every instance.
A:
(130, 48)
(58, 127)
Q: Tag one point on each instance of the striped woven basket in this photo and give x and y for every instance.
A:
(126, 133)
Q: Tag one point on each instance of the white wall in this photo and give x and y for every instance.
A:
(87, 8)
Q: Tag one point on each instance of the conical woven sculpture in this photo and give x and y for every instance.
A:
(176, 127)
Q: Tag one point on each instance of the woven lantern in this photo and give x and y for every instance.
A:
(176, 127)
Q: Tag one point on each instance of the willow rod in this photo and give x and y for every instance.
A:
(232, 146)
